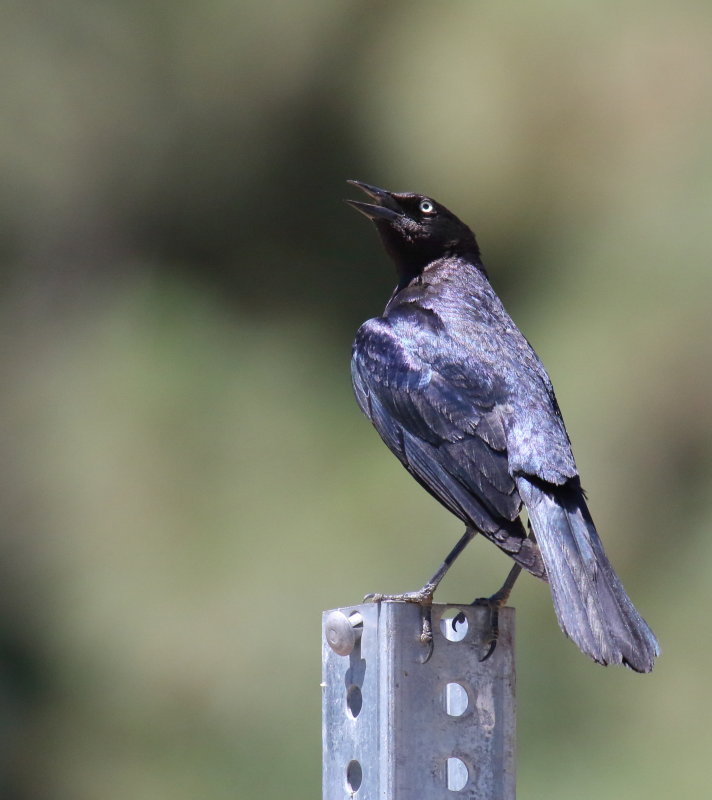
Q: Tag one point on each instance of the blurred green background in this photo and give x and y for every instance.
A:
(186, 479)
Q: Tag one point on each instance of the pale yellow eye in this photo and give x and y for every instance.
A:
(427, 207)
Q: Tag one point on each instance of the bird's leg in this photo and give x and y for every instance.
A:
(494, 603)
(424, 596)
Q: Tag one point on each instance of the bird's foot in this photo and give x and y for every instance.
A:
(493, 603)
(424, 598)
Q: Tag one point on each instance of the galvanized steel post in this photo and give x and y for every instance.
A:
(403, 722)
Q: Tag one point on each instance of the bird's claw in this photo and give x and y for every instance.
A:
(424, 598)
(493, 603)
(490, 650)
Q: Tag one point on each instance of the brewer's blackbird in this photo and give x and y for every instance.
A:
(461, 398)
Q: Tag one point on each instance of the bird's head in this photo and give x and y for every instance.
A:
(416, 230)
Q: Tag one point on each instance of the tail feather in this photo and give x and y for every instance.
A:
(591, 604)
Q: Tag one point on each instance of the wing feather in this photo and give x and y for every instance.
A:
(441, 421)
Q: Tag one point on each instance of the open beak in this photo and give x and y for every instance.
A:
(386, 207)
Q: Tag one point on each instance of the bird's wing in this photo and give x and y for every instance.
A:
(537, 443)
(441, 419)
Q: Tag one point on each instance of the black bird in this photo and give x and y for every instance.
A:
(461, 398)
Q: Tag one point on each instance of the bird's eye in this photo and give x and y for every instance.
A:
(427, 207)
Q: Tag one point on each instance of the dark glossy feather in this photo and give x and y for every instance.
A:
(591, 604)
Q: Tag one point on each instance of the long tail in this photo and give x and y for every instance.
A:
(591, 604)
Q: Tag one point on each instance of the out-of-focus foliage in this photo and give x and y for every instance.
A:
(186, 479)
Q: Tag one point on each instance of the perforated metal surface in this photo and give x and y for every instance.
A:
(398, 725)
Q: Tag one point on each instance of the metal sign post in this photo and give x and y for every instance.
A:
(402, 720)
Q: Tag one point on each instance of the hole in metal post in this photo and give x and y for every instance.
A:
(453, 625)
(354, 775)
(354, 700)
(456, 700)
(457, 774)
